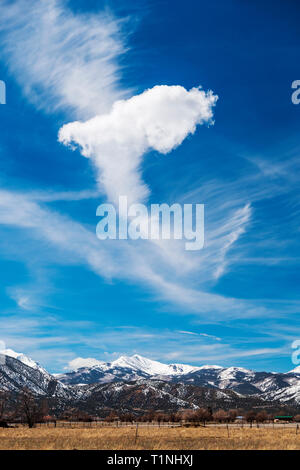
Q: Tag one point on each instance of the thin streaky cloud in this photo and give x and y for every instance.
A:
(75, 243)
(63, 61)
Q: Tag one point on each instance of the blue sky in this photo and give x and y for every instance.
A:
(65, 294)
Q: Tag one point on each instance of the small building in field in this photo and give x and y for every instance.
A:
(240, 419)
(283, 418)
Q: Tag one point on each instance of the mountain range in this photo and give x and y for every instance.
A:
(284, 387)
(137, 383)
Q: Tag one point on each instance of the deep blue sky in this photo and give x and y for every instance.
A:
(54, 305)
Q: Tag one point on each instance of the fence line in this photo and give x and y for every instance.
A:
(141, 424)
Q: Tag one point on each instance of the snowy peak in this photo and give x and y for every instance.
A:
(143, 366)
(27, 361)
(21, 357)
(295, 371)
(132, 362)
(233, 372)
(125, 368)
(140, 363)
(148, 366)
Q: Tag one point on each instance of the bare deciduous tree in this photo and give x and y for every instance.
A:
(3, 405)
(202, 415)
(188, 415)
(250, 417)
(4, 399)
(221, 416)
(28, 408)
(112, 417)
(262, 416)
(232, 415)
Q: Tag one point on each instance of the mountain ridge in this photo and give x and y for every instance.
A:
(18, 371)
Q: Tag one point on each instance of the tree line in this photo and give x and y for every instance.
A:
(26, 408)
(200, 415)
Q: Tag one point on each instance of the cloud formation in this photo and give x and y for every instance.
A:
(158, 119)
(236, 227)
(79, 362)
(70, 242)
(62, 60)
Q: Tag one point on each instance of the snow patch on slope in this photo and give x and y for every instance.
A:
(22, 358)
(294, 371)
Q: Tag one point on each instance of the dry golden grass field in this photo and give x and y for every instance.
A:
(181, 438)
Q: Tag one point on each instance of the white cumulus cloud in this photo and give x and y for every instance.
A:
(83, 362)
(158, 119)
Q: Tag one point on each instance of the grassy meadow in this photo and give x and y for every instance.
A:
(180, 438)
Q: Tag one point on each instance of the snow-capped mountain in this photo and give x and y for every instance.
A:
(16, 374)
(124, 368)
(140, 363)
(22, 358)
(18, 371)
(270, 385)
(135, 396)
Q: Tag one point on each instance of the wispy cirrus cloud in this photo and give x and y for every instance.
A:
(70, 62)
(62, 60)
(70, 242)
(236, 227)
(199, 334)
(60, 344)
(172, 346)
